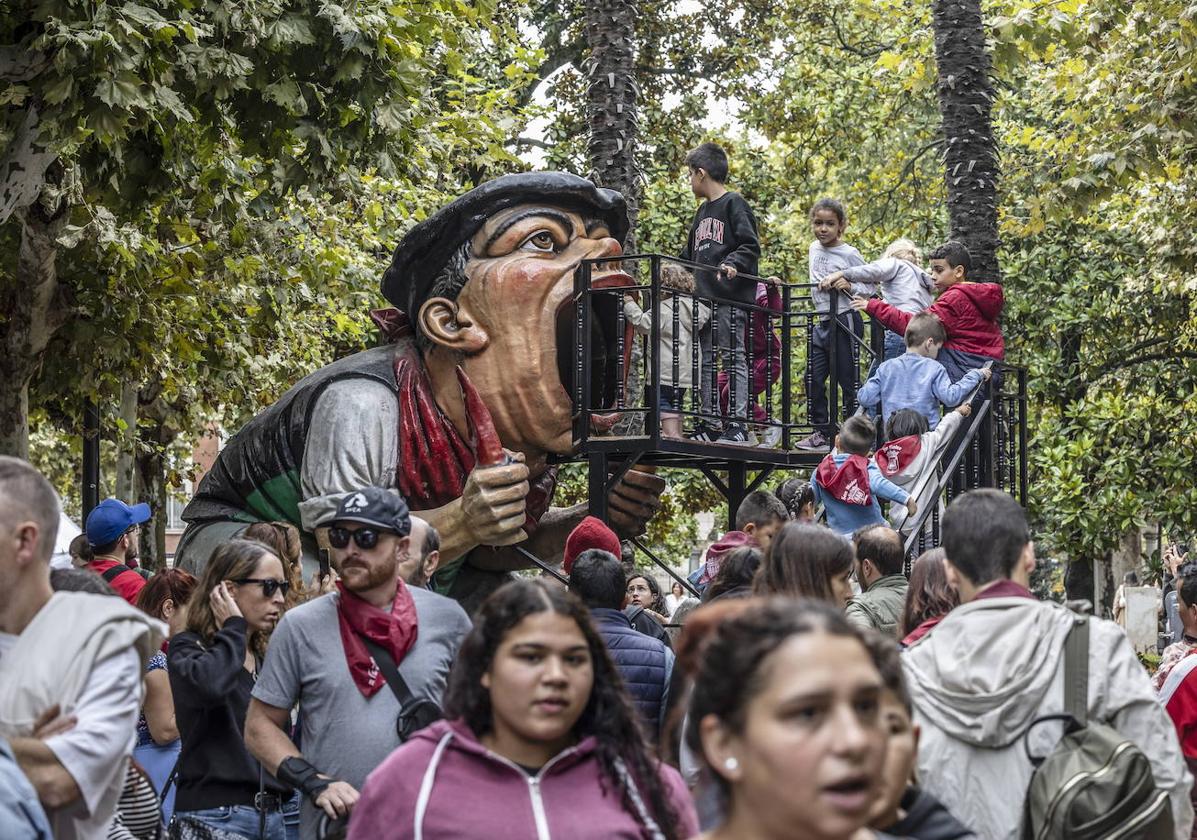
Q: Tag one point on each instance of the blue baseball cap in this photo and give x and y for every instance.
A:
(111, 518)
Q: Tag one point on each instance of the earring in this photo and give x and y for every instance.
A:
(731, 764)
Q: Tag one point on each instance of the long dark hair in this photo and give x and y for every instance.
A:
(658, 603)
(802, 560)
(730, 674)
(232, 560)
(608, 715)
(929, 595)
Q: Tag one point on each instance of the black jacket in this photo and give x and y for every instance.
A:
(927, 819)
(724, 231)
(211, 690)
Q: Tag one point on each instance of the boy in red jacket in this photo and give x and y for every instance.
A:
(968, 311)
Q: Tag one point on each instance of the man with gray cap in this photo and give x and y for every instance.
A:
(461, 412)
(325, 656)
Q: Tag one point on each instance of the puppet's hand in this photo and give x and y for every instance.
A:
(633, 502)
(494, 502)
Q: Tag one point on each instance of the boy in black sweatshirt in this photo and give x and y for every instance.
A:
(723, 235)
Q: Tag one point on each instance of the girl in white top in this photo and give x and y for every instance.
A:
(677, 287)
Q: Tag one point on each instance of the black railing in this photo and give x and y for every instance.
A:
(615, 347)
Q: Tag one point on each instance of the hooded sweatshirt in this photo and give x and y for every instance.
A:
(444, 783)
(994, 665)
(969, 313)
(912, 463)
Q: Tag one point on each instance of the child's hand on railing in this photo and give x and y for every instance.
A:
(964, 410)
(830, 280)
(859, 304)
(729, 270)
(986, 373)
(912, 507)
(773, 280)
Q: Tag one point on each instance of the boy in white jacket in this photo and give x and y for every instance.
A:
(677, 286)
(910, 458)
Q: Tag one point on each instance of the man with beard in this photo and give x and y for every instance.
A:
(332, 655)
(460, 413)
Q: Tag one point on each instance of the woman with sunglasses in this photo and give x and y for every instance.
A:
(541, 740)
(212, 666)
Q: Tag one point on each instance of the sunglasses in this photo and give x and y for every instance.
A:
(365, 538)
(269, 585)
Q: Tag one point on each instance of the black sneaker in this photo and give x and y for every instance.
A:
(703, 432)
(734, 433)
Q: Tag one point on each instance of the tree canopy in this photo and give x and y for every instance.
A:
(199, 198)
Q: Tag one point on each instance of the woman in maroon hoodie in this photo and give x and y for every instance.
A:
(541, 741)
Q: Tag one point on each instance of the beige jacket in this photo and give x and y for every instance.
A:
(53, 657)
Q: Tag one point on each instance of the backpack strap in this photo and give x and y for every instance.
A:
(1076, 670)
(113, 572)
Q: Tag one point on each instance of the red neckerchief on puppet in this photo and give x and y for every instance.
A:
(434, 459)
(895, 456)
(394, 631)
(847, 483)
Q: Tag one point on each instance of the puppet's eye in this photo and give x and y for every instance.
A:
(541, 241)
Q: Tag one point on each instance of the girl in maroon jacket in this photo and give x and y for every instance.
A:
(541, 741)
(969, 312)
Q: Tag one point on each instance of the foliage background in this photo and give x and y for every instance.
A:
(213, 307)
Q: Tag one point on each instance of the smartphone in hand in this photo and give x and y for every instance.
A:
(322, 557)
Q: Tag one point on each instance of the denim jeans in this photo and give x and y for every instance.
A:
(847, 360)
(242, 820)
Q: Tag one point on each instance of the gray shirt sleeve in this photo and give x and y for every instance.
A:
(353, 442)
(279, 682)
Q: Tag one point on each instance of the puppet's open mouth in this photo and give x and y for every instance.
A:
(604, 358)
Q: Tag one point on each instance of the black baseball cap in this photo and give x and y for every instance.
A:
(427, 247)
(375, 506)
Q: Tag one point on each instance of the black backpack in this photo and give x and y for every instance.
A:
(1095, 784)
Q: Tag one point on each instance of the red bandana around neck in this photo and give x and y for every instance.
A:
(434, 460)
(895, 456)
(848, 483)
(394, 631)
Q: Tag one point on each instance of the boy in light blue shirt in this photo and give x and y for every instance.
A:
(915, 379)
(848, 484)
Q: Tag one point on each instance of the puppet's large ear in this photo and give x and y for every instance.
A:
(449, 325)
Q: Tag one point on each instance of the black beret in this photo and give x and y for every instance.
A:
(427, 247)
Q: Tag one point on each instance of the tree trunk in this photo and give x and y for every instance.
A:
(611, 109)
(970, 154)
(32, 314)
(126, 440)
(151, 472)
(155, 439)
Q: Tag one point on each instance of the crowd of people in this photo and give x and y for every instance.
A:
(799, 685)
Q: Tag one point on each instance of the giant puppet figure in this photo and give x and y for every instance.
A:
(460, 411)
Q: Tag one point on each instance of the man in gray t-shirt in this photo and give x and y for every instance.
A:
(346, 732)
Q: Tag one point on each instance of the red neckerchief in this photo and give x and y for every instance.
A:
(895, 456)
(434, 459)
(922, 630)
(1004, 589)
(847, 483)
(395, 631)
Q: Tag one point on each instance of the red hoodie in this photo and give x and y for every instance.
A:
(969, 313)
